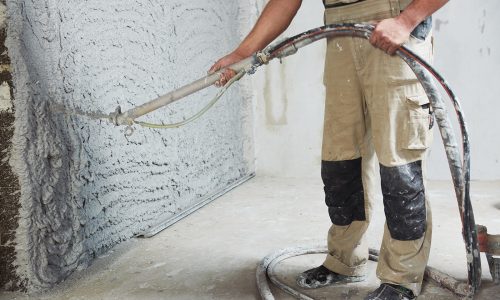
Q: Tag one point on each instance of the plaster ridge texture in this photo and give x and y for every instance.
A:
(85, 186)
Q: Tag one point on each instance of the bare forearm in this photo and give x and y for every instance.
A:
(418, 10)
(275, 19)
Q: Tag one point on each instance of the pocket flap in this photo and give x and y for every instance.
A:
(418, 100)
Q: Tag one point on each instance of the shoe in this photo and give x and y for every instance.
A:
(321, 276)
(390, 292)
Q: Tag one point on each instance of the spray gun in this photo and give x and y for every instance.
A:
(128, 118)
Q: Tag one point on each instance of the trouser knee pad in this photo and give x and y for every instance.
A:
(344, 193)
(404, 200)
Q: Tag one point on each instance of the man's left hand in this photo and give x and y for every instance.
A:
(390, 34)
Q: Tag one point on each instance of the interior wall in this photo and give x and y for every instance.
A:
(290, 99)
(467, 51)
(290, 103)
(84, 186)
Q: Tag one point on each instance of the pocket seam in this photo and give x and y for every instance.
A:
(416, 129)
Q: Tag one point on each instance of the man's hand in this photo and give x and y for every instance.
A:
(227, 74)
(390, 34)
(275, 18)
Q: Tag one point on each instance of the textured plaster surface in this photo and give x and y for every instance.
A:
(213, 254)
(85, 186)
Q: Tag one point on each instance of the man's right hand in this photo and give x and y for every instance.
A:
(227, 74)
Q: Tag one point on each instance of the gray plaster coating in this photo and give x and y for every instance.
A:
(84, 186)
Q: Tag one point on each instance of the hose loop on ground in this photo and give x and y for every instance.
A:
(266, 269)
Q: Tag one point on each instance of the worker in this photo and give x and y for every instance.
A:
(376, 112)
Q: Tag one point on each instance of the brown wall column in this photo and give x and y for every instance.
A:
(9, 185)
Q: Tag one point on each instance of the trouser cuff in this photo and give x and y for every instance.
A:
(335, 265)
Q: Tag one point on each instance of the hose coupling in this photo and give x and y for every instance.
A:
(287, 51)
(259, 58)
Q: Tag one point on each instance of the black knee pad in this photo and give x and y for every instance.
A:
(404, 201)
(344, 194)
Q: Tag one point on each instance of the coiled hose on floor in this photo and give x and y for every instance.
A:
(459, 164)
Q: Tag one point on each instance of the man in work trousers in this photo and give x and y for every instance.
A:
(374, 106)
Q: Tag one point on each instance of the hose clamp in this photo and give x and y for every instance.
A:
(262, 57)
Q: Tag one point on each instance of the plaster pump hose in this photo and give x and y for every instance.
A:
(459, 165)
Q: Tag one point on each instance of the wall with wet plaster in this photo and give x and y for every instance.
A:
(84, 186)
(289, 112)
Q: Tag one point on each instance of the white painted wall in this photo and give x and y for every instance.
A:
(289, 106)
(467, 51)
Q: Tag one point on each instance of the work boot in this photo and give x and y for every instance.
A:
(390, 292)
(321, 276)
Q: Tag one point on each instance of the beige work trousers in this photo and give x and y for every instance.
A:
(373, 110)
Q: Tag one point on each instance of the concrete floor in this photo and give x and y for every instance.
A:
(213, 253)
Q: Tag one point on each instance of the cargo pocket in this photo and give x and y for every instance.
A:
(416, 130)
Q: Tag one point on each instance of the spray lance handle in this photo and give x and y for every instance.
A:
(128, 117)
